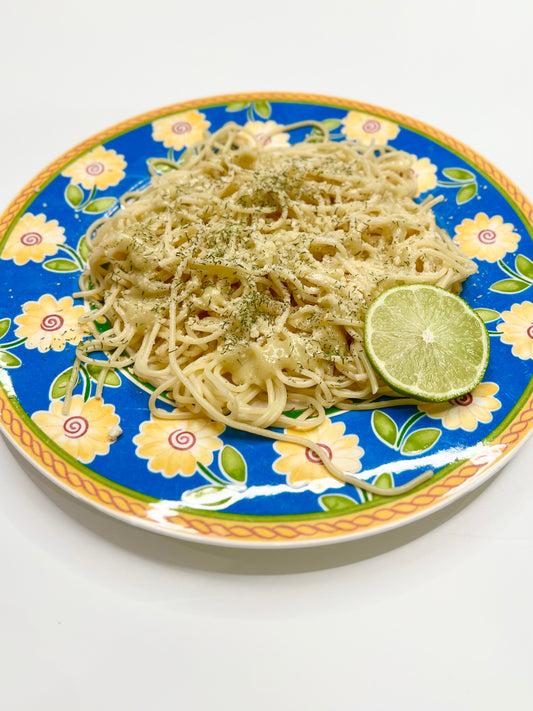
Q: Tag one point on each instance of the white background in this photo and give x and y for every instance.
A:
(98, 615)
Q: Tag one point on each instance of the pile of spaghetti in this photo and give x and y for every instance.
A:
(238, 282)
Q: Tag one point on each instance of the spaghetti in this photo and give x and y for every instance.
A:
(238, 282)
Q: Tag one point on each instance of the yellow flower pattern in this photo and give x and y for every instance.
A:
(467, 411)
(268, 133)
(426, 175)
(517, 329)
(175, 447)
(368, 129)
(486, 238)
(303, 467)
(180, 130)
(88, 429)
(32, 239)
(101, 168)
(49, 324)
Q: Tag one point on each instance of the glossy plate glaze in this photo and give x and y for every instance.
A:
(194, 479)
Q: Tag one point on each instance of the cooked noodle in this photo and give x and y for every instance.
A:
(238, 283)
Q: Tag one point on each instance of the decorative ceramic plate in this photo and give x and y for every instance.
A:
(196, 480)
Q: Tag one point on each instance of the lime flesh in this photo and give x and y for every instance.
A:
(426, 342)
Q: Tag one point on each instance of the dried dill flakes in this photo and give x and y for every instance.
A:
(248, 266)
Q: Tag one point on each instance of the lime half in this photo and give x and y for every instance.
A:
(426, 342)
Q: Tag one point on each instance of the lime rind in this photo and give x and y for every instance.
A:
(426, 342)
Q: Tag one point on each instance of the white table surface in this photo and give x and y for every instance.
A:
(96, 614)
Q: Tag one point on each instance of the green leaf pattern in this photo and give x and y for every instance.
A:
(459, 175)
(160, 166)
(509, 286)
(5, 323)
(87, 378)
(58, 389)
(337, 503)
(487, 315)
(385, 481)
(519, 279)
(420, 441)
(209, 496)
(404, 439)
(466, 193)
(221, 492)
(60, 265)
(83, 248)
(254, 109)
(233, 464)
(74, 195)
(112, 378)
(524, 267)
(95, 207)
(384, 427)
(464, 181)
(8, 359)
(263, 109)
(235, 106)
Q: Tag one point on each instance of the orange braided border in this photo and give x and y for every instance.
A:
(130, 508)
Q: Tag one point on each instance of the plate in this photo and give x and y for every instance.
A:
(193, 481)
